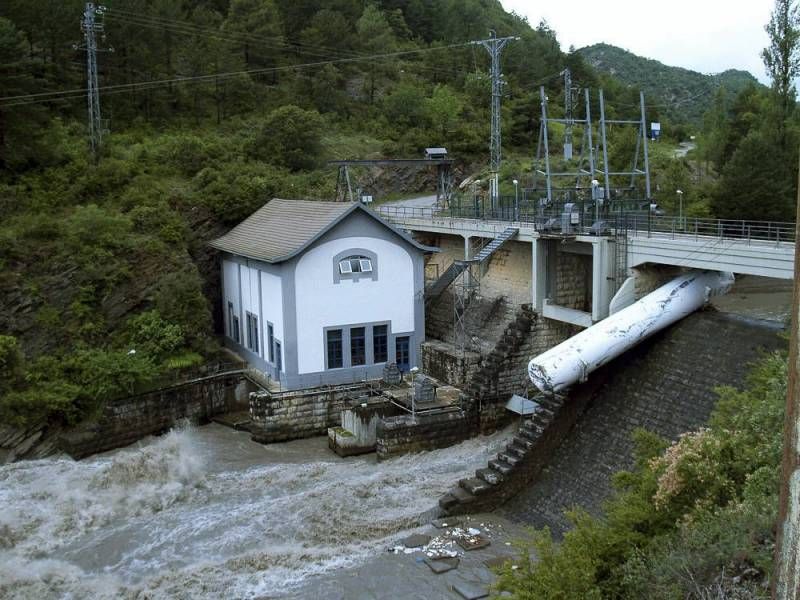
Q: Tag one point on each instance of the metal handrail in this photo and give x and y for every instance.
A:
(635, 224)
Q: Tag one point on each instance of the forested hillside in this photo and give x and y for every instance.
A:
(685, 94)
(212, 107)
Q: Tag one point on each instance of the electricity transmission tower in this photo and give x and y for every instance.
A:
(568, 119)
(494, 46)
(91, 25)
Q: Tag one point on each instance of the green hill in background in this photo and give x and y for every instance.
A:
(685, 94)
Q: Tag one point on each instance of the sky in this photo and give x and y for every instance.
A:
(703, 35)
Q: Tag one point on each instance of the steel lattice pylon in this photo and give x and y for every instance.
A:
(494, 46)
(92, 24)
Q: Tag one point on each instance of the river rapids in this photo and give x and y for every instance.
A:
(206, 513)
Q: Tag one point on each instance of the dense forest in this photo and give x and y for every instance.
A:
(212, 107)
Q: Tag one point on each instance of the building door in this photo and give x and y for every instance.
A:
(402, 353)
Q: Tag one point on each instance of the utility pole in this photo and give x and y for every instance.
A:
(567, 114)
(494, 46)
(786, 580)
(91, 24)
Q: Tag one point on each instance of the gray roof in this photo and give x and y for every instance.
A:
(281, 229)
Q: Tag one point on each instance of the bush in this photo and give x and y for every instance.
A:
(10, 362)
(56, 400)
(179, 300)
(290, 137)
(152, 336)
(233, 191)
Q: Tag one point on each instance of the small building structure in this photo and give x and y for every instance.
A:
(318, 293)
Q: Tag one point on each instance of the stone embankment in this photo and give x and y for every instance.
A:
(565, 454)
(290, 415)
(406, 433)
(127, 420)
(667, 386)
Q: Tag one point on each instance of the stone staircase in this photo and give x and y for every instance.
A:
(512, 468)
(485, 381)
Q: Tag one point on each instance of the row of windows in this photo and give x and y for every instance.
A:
(334, 342)
(252, 336)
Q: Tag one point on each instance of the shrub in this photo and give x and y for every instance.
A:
(10, 362)
(290, 137)
(179, 299)
(152, 336)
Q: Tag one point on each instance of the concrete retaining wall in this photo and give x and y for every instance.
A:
(666, 386)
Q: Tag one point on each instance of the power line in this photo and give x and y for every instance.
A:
(251, 39)
(47, 96)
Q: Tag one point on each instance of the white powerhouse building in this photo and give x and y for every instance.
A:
(322, 292)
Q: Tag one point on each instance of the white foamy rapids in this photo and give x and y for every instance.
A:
(181, 517)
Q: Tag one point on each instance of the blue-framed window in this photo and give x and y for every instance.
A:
(358, 346)
(380, 343)
(334, 349)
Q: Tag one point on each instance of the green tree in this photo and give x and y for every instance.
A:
(443, 108)
(256, 20)
(782, 60)
(757, 183)
(377, 37)
(289, 137)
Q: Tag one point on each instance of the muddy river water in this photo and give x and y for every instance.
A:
(206, 513)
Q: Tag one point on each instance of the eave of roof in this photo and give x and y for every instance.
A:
(333, 223)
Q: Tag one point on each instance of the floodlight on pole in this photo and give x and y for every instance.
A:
(516, 199)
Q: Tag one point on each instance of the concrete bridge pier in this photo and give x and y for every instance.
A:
(572, 280)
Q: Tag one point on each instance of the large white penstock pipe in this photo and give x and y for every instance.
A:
(571, 361)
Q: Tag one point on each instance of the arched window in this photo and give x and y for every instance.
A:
(355, 264)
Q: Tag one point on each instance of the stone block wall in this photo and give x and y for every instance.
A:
(128, 420)
(442, 361)
(573, 281)
(648, 278)
(281, 416)
(508, 274)
(406, 433)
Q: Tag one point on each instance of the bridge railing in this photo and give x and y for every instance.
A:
(748, 232)
(636, 224)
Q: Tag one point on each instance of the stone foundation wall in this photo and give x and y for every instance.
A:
(281, 416)
(648, 278)
(407, 433)
(508, 274)
(130, 419)
(442, 361)
(573, 281)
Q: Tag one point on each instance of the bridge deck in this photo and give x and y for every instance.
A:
(748, 248)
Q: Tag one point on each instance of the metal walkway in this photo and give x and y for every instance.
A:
(452, 272)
